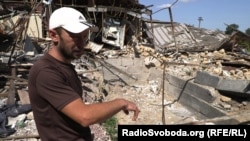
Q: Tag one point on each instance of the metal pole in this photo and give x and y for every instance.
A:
(172, 24)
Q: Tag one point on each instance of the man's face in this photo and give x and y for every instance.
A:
(71, 45)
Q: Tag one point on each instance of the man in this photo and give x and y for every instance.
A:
(55, 90)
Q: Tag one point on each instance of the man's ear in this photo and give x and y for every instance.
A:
(53, 35)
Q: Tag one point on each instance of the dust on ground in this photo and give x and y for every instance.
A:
(151, 106)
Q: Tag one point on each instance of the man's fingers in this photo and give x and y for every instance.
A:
(136, 113)
(126, 112)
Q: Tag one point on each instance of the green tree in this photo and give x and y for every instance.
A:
(230, 28)
(248, 31)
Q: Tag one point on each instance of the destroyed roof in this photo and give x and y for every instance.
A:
(171, 36)
(163, 36)
(91, 3)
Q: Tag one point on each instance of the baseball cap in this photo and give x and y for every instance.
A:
(70, 19)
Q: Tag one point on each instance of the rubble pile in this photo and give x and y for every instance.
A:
(148, 95)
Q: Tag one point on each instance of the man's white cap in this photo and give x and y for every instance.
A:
(70, 19)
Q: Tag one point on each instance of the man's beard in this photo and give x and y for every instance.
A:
(65, 53)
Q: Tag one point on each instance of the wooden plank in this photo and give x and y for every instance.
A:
(12, 89)
(4, 95)
(24, 96)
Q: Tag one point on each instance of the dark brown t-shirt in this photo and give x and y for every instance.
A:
(52, 85)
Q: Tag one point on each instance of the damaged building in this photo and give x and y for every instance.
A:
(161, 65)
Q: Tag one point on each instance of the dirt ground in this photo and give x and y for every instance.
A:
(150, 104)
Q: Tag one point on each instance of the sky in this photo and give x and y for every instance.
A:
(215, 14)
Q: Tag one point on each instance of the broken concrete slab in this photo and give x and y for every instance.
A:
(238, 88)
(194, 103)
(188, 86)
(230, 119)
(208, 79)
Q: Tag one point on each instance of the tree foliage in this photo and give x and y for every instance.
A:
(248, 31)
(230, 28)
(242, 43)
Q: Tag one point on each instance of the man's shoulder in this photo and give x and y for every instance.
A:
(43, 63)
(45, 60)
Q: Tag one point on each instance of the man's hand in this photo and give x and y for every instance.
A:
(132, 107)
